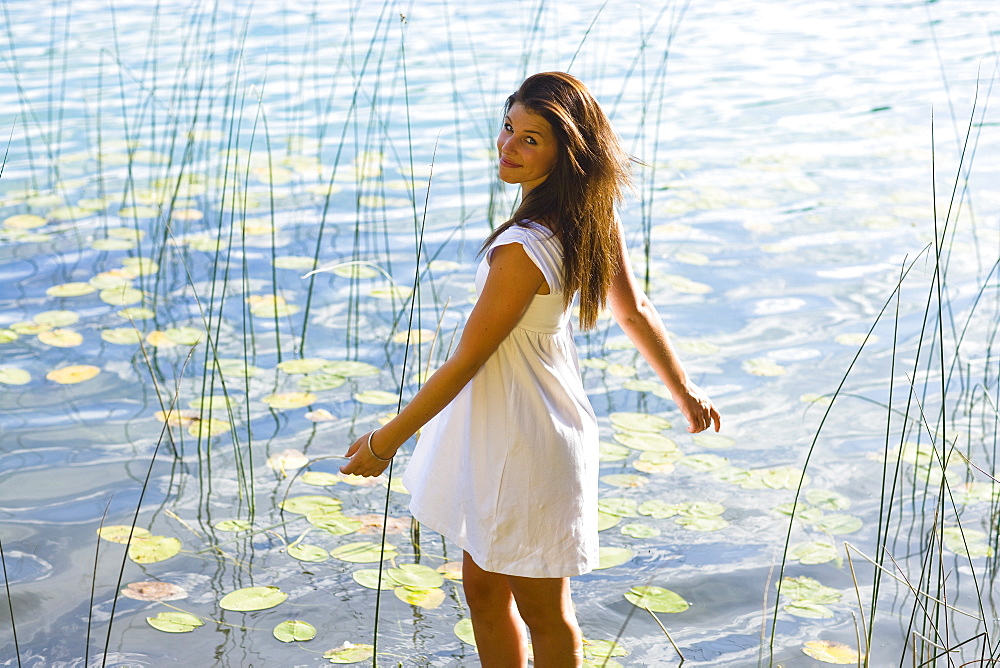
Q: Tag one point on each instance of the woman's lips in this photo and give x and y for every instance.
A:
(504, 162)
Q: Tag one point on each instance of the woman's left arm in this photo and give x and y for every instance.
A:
(637, 316)
(512, 282)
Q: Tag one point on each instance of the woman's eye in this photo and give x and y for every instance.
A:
(531, 140)
(508, 127)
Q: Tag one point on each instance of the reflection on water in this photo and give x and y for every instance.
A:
(171, 176)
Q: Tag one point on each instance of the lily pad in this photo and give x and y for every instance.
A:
(416, 575)
(826, 499)
(350, 653)
(625, 480)
(304, 365)
(137, 313)
(253, 598)
(154, 591)
(647, 441)
(320, 382)
(620, 507)
(152, 549)
(57, 318)
(351, 369)
(639, 531)
(463, 630)
(70, 375)
(122, 335)
(305, 552)
(802, 511)
(830, 651)
(296, 262)
(805, 588)
(839, 524)
(656, 599)
(14, 376)
(703, 509)
(75, 289)
(335, 523)
(303, 505)
(420, 597)
(233, 525)
(294, 630)
(606, 521)
(656, 462)
(713, 441)
(704, 462)
(320, 478)
(368, 577)
(364, 552)
(641, 422)
(208, 428)
(23, 221)
(174, 622)
(289, 400)
(815, 552)
(612, 452)
(377, 397)
(702, 523)
(658, 509)
(119, 533)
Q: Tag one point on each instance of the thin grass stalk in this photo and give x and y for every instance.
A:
(93, 589)
(142, 491)
(667, 633)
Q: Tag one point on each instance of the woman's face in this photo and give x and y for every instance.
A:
(528, 148)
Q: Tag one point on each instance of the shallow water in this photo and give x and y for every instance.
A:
(789, 177)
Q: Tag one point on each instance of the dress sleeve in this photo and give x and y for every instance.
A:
(541, 246)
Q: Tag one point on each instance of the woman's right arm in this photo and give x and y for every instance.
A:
(511, 284)
(638, 318)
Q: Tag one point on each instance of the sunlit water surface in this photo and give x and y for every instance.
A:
(788, 181)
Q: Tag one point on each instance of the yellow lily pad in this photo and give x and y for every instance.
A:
(57, 318)
(289, 400)
(23, 221)
(420, 597)
(61, 338)
(119, 533)
(70, 375)
(831, 651)
(74, 289)
(152, 549)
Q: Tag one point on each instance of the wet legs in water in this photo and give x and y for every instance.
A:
(499, 603)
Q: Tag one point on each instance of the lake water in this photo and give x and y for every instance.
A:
(172, 173)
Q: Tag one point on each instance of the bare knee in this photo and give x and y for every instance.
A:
(485, 592)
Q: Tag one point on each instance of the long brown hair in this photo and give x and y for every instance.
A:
(577, 200)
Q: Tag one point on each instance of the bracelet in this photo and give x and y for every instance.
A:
(372, 452)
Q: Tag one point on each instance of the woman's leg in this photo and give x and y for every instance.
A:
(546, 607)
(497, 626)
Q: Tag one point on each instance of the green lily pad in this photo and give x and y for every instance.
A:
(122, 335)
(137, 313)
(75, 289)
(123, 296)
(233, 525)
(151, 549)
(185, 336)
(368, 577)
(703, 509)
(303, 505)
(310, 553)
(639, 422)
(377, 398)
(966, 542)
(320, 382)
(463, 630)
(364, 552)
(320, 478)
(294, 630)
(612, 452)
(713, 441)
(618, 506)
(702, 523)
(252, 598)
(351, 369)
(609, 557)
(296, 262)
(304, 365)
(606, 520)
(427, 598)
(8, 335)
(658, 509)
(350, 653)
(805, 588)
(289, 400)
(602, 649)
(121, 533)
(839, 524)
(625, 480)
(814, 552)
(174, 622)
(656, 599)
(57, 318)
(802, 511)
(335, 523)
(14, 376)
(826, 499)
(704, 462)
(639, 531)
(416, 575)
(647, 441)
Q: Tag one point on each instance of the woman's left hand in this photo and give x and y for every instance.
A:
(699, 410)
(362, 462)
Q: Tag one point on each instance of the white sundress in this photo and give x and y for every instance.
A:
(508, 470)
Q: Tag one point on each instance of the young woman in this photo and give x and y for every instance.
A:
(506, 466)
